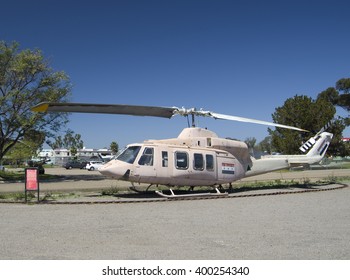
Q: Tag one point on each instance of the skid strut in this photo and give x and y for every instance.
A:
(173, 195)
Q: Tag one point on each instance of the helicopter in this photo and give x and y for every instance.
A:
(197, 157)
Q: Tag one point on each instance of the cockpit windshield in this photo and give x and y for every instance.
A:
(129, 154)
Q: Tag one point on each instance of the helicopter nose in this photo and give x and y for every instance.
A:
(115, 170)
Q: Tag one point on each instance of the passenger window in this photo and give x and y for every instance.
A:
(181, 160)
(209, 162)
(147, 157)
(164, 159)
(198, 162)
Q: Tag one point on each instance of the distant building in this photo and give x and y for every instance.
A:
(346, 139)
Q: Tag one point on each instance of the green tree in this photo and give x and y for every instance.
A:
(25, 80)
(26, 148)
(70, 141)
(339, 95)
(114, 147)
(265, 145)
(22, 152)
(250, 141)
(338, 147)
(343, 86)
(304, 112)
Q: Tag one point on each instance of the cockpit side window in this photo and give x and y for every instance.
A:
(147, 157)
(129, 154)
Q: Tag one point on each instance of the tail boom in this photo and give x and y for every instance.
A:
(318, 145)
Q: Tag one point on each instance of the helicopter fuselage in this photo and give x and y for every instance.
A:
(196, 158)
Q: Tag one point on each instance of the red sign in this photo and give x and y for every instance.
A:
(32, 183)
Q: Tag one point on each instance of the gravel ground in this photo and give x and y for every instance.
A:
(298, 226)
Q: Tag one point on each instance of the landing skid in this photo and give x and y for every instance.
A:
(172, 195)
(133, 188)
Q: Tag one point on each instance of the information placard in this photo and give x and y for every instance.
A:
(31, 181)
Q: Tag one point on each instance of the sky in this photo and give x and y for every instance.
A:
(242, 58)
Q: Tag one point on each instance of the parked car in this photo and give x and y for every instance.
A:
(94, 165)
(37, 164)
(74, 164)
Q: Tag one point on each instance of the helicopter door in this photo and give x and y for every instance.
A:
(211, 167)
(181, 171)
(145, 167)
(203, 167)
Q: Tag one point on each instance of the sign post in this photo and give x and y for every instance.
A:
(31, 181)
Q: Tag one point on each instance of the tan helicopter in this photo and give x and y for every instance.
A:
(197, 157)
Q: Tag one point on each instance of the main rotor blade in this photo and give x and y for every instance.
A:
(240, 119)
(135, 110)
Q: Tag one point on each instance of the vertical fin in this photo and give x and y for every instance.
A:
(318, 144)
(309, 143)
